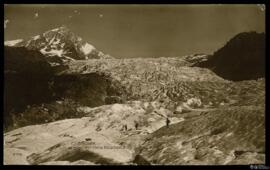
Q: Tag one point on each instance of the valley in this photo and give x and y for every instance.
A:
(99, 110)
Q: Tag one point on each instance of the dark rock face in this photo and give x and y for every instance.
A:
(26, 79)
(87, 89)
(139, 160)
(23, 61)
(113, 99)
(242, 58)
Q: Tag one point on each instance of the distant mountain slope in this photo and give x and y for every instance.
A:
(242, 58)
(59, 45)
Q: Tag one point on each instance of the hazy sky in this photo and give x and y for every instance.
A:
(139, 30)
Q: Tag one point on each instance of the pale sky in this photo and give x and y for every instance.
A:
(139, 30)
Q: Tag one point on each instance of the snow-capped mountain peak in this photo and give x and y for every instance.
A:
(60, 43)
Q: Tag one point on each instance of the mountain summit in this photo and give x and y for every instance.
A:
(59, 45)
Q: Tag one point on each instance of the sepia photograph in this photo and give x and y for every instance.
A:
(134, 84)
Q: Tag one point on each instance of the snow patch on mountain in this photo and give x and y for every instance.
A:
(87, 49)
(55, 29)
(12, 42)
(52, 52)
(36, 37)
(52, 40)
(57, 41)
(62, 45)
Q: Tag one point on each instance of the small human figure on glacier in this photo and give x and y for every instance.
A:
(125, 127)
(167, 122)
(136, 125)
